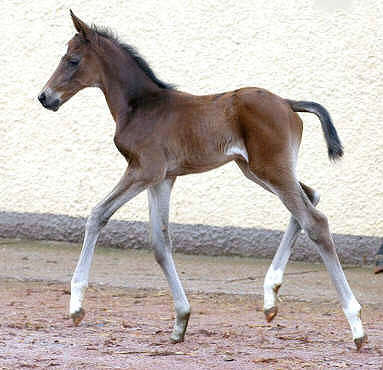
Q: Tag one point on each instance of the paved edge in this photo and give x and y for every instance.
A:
(188, 239)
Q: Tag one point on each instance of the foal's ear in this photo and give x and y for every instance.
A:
(81, 27)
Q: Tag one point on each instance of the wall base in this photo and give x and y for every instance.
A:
(188, 239)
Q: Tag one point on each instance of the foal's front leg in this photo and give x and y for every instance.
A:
(159, 198)
(125, 190)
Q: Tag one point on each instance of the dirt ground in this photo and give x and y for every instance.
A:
(127, 326)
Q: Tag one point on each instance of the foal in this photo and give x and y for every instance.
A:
(164, 133)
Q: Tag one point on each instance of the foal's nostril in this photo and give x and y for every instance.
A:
(55, 105)
(42, 98)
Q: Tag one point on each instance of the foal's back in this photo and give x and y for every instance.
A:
(193, 134)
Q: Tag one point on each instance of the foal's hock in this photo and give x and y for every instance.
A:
(164, 133)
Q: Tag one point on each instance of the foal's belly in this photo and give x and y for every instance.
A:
(203, 162)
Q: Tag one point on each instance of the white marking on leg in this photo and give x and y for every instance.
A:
(273, 281)
(122, 193)
(274, 275)
(350, 305)
(77, 293)
(316, 226)
(159, 197)
(352, 312)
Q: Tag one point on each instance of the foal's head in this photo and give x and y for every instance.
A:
(78, 68)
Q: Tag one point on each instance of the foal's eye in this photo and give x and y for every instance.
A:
(74, 62)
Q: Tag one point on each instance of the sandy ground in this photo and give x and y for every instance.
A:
(129, 314)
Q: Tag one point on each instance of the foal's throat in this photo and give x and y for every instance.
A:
(125, 97)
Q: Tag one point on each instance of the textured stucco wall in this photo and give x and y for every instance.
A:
(65, 162)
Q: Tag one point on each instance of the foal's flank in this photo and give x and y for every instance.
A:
(164, 133)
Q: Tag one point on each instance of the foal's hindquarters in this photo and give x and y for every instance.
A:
(274, 169)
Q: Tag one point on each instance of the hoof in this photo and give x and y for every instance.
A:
(360, 341)
(78, 316)
(176, 338)
(379, 262)
(270, 313)
(180, 326)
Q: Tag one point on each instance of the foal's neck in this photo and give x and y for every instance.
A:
(123, 82)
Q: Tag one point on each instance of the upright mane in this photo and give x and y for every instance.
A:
(141, 62)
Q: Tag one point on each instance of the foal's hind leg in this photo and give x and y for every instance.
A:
(159, 198)
(123, 192)
(316, 227)
(274, 275)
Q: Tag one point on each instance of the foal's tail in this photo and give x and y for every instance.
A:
(335, 148)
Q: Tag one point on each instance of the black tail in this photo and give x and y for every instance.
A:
(335, 148)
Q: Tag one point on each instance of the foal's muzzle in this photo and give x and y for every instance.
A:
(49, 102)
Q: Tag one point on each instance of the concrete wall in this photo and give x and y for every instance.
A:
(65, 162)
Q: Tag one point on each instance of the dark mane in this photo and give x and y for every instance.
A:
(141, 62)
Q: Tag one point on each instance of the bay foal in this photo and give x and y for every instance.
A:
(164, 133)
